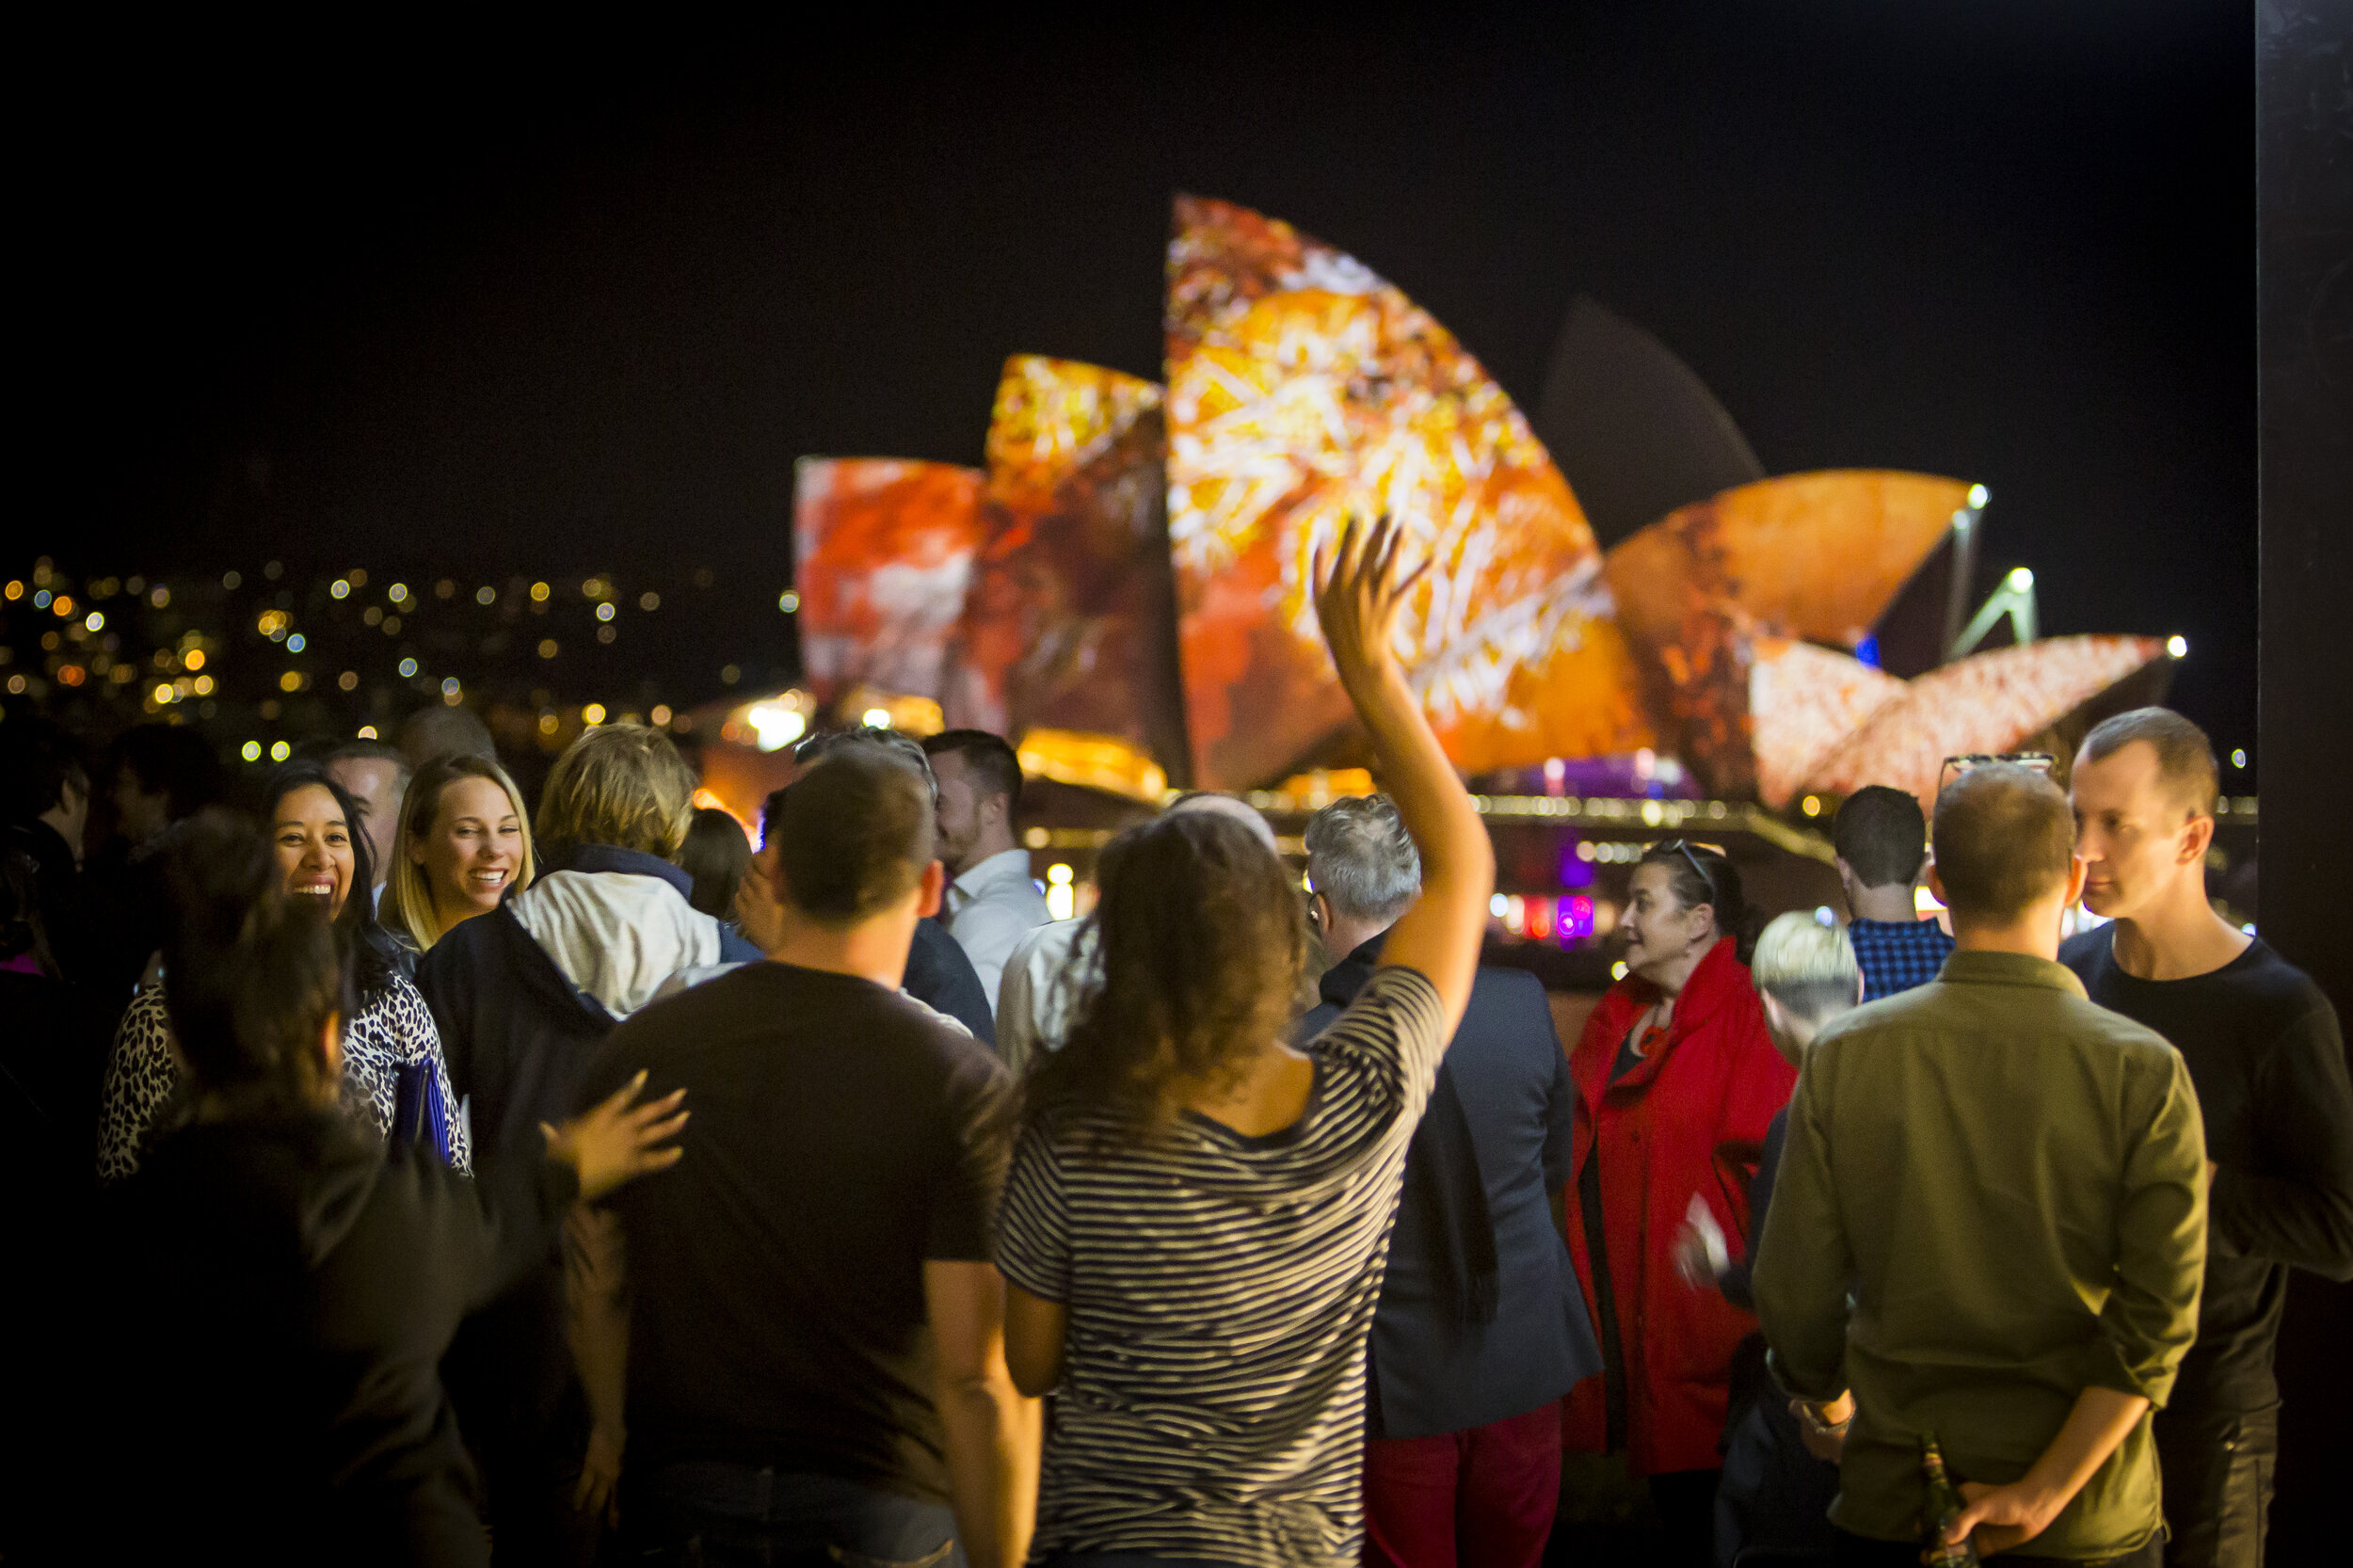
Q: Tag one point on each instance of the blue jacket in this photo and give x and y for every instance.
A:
(1428, 1374)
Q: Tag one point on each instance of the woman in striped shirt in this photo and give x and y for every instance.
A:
(1196, 1224)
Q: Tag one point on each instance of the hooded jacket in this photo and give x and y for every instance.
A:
(522, 995)
(1689, 1118)
(311, 1285)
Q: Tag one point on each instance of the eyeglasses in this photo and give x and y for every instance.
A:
(2039, 761)
(1684, 847)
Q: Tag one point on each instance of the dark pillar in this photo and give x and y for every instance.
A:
(2304, 97)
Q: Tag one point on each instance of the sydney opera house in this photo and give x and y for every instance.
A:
(1629, 626)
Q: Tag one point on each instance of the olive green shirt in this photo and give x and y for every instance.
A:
(1993, 1196)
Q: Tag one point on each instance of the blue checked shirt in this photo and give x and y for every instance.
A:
(1897, 955)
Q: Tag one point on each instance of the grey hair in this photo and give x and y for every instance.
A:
(1360, 857)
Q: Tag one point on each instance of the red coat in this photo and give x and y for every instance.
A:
(1689, 1118)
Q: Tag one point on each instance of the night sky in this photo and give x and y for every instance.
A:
(449, 305)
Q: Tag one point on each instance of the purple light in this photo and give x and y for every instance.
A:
(1577, 919)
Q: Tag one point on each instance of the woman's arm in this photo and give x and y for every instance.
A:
(1359, 589)
(1034, 1328)
(142, 1069)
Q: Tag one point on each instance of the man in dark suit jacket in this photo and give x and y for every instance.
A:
(1481, 1325)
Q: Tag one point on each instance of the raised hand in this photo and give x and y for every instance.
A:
(1359, 589)
(618, 1141)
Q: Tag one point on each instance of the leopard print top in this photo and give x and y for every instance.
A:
(392, 1029)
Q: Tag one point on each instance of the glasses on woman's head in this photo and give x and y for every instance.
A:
(1689, 853)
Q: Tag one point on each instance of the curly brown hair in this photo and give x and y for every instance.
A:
(1200, 940)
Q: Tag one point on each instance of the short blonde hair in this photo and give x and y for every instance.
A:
(1808, 967)
(619, 784)
(407, 897)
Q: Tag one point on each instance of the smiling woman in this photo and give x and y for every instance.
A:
(395, 1080)
(313, 832)
(464, 844)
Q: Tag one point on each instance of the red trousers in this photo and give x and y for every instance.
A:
(1482, 1498)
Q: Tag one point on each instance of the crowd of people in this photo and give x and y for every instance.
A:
(453, 1181)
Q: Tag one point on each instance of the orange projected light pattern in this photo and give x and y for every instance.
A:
(1126, 582)
(1304, 390)
(1989, 702)
(1818, 556)
(1814, 555)
(1068, 624)
(886, 551)
(1802, 701)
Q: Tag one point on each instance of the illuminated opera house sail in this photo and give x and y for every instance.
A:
(1122, 587)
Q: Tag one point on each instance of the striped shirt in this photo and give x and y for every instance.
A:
(1220, 1289)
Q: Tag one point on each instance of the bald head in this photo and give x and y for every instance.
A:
(444, 732)
(2005, 841)
(1226, 805)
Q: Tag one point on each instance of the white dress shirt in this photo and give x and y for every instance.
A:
(989, 908)
(1044, 979)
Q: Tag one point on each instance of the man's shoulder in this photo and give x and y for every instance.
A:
(1908, 1008)
(2142, 1045)
(1049, 944)
(782, 1003)
(2282, 991)
(456, 963)
(1866, 931)
(1507, 985)
(1512, 1003)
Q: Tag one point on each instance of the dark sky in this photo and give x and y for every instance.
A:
(449, 305)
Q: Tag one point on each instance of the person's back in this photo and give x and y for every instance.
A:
(1195, 1226)
(799, 1334)
(522, 997)
(1776, 1491)
(312, 1286)
(842, 1135)
(1507, 1072)
(1882, 840)
(1236, 1278)
(1481, 1325)
(1981, 1133)
(2010, 1182)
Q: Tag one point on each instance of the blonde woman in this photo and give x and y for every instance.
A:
(523, 996)
(462, 845)
(1780, 1466)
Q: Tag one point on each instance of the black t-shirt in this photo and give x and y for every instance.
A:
(841, 1136)
(2263, 1048)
